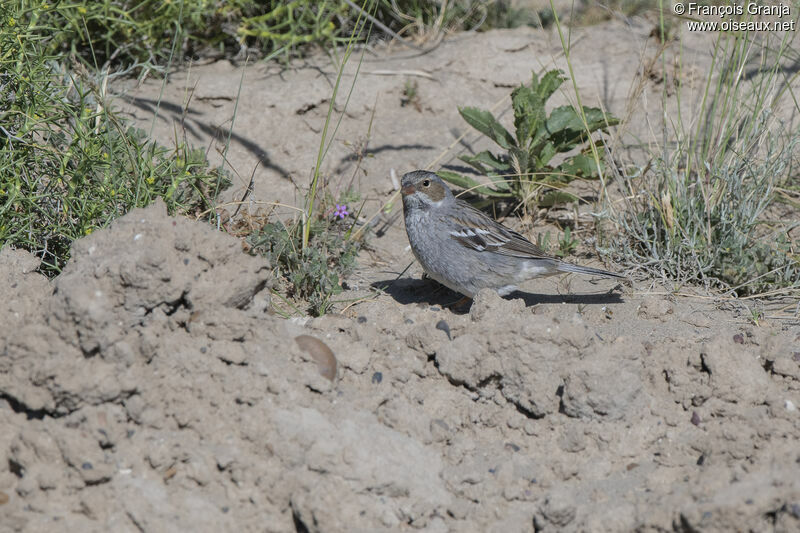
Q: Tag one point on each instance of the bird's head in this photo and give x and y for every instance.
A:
(423, 189)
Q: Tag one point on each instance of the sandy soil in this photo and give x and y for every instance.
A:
(150, 388)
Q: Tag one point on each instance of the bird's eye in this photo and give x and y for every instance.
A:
(426, 183)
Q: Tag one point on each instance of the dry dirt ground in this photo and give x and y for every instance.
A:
(149, 387)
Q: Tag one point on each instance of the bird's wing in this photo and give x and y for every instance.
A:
(473, 229)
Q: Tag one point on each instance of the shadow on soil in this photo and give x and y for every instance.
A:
(426, 291)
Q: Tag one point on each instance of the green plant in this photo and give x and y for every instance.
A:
(715, 238)
(325, 142)
(755, 315)
(410, 95)
(567, 244)
(527, 171)
(543, 241)
(295, 23)
(68, 163)
(147, 32)
(313, 253)
(313, 273)
(701, 214)
(124, 31)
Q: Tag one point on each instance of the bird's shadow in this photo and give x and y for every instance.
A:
(417, 291)
(426, 291)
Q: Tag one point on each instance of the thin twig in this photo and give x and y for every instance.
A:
(248, 190)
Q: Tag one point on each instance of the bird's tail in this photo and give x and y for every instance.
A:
(569, 267)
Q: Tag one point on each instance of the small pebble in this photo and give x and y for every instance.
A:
(377, 377)
(203, 349)
(186, 261)
(3, 498)
(87, 466)
(362, 320)
(695, 418)
(790, 406)
(435, 308)
(738, 338)
(320, 353)
(442, 325)
(511, 447)
(796, 356)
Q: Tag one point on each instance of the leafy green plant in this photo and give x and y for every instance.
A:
(313, 273)
(527, 171)
(68, 163)
(147, 32)
(567, 244)
(543, 241)
(756, 315)
(296, 22)
(411, 95)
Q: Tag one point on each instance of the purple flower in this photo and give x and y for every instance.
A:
(341, 211)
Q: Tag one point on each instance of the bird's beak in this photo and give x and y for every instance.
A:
(408, 189)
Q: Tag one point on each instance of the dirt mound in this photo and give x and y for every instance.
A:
(147, 389)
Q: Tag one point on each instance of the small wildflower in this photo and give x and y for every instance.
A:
(341, 211)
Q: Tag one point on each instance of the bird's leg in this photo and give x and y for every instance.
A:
(460, 305)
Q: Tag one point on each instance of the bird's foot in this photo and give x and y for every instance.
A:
(461, 305)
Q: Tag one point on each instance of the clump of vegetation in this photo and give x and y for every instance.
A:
(314, 273)
(315, 252)
(526, 172)
(712, 230)
(700, 212)
(68, 163)
(567, 243)
(150, 32)
(411, 96)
